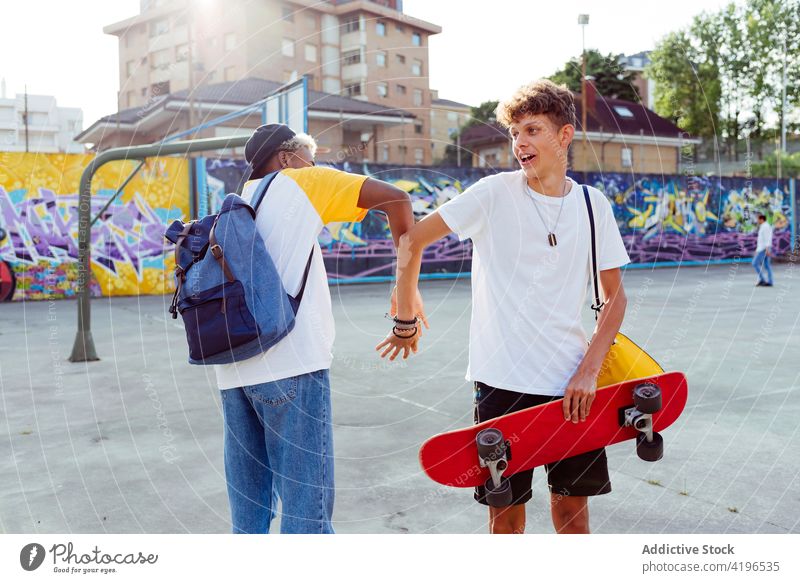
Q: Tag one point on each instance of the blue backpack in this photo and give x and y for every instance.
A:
(228, 291)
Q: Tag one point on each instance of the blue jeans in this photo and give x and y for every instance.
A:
(279, 443)
(761, 264)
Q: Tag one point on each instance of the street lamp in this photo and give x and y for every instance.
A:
(583, 20)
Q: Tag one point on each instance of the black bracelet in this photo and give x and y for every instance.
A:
(406, 322)
(395, 329)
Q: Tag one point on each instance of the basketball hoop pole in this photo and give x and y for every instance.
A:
(83, 349)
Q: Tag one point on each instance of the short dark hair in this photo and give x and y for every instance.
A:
(762, 216)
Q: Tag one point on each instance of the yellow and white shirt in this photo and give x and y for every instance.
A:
(297, 205)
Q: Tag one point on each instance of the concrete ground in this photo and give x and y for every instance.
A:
(133, 443)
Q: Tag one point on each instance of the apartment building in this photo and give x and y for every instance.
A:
(48, 128)
(447, 117)
(367, 50)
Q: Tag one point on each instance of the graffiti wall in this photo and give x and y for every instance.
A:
(359, 251)
(663, 219)
(679, 219)
(39, 225)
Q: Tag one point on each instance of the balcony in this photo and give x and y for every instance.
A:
(354, 72)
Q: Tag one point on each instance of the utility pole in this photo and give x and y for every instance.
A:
(783, 100)
(583, 20)
(191, 67)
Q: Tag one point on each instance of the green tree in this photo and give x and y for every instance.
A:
(610, 78)
(481, 114)
(687, 85)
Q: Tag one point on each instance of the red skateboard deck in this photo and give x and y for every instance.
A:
(540, 435)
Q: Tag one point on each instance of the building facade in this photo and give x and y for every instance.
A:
(447, 118)
(48, 128)
(366, 50)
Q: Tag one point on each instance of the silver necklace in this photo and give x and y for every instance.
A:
(551, 235)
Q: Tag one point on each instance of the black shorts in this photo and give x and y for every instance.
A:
(581, 475)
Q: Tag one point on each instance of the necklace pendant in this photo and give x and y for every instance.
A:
(551, 238)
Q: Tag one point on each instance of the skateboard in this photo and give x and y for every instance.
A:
(490, 451)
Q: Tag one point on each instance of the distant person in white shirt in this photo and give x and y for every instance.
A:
(530, 271)
(763, 253)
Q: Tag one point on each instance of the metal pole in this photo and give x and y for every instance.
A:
(583, 20)
(83, 349)
(25, 119)
(783, 101)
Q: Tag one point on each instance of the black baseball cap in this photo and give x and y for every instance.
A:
(264, 143)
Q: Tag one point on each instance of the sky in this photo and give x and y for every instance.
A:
(485, 51)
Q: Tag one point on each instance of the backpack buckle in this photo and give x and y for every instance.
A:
(216, 251)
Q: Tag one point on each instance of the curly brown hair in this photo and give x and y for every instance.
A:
(539, 97)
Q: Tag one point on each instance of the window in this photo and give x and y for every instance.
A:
(401, 90)
(351, 57)
(417, 128)
(157, 89)
(160, 59)
(287, 47)
(230, 41)
(130, 67)
(452, 116)
(384, 153)
(419, 155)
(230, 73)
(401, 60)
(311, 53)
(380, 28)
(400, 28)
(287, 13)
(623, 111)
(182, 53)
(417, 97)
(383, 89)
(352, 89)
(351, 24)
(403, 149)
(159, 27)
(627, 158)
(380, 58)
(416, 68)
(144, 91)
(416, 39)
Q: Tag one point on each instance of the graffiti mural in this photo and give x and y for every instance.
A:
(679, 219)
(663, 219)
(39, 225)
(357, 251)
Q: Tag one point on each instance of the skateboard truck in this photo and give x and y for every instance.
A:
(646, 401)
(494, 453)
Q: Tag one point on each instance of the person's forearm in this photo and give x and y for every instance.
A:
(409, 262)
(608, 325)
(400, 215)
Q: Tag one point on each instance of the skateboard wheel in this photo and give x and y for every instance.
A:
(650, 451)
(647, 398)
(499, 497)
(490, 444)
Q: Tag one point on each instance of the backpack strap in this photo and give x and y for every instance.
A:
(598, 304)
(180, 273)
(255, 202)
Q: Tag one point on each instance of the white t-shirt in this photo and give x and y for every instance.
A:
(764, 237)
(298, 203)
(526, 333)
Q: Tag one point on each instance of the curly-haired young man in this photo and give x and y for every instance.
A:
(530, 269)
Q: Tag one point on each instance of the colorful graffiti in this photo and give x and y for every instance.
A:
(679, 219)
(356, 251)
(663, 219)
(39, 225)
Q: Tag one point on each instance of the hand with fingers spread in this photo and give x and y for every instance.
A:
(403, 337)
(578, 397)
